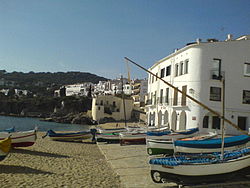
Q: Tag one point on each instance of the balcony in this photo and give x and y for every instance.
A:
(216, 75)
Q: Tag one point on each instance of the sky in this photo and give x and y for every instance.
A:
(95, 35)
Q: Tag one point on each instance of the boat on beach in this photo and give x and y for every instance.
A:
(199, 168)
(166, 146)
(5, 146)
(133, 137)
(211, 145)
(167, 135)
(20, 138)
(112, 137)
(114, 130)
(69, 136)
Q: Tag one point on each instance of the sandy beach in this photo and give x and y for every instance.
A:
(57, 164)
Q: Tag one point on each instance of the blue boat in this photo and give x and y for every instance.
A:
(211, 145)
(168, 135)
(69, 136)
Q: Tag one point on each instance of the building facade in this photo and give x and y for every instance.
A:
(109, 106)
(197, 70)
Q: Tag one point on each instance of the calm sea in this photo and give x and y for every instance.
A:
(23, 124)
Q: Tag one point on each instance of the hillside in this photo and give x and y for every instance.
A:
(43, 83)
(60, 78)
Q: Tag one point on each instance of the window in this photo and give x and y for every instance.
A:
(167, 95)
(175, 97)
(184, 98)
(246, 69)
(181, 68)
(161, 96)
(215, 94)
(155, 97)
(216, 122)
(168, 70)
(205, 122)
(216, 69)
(153, 79)
(156, 76)
(186, 67)
(176, 69)
(162, 72)
(246, 97)
(114, 105)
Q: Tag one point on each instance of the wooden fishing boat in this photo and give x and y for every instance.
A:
(69, 136)
(163, 146)
(199, 168)
(5, 146)
(115, 130)
(133, 138)
(167, 135)
(20, 138)
(108, 137)
(159, 146)
(211, 145)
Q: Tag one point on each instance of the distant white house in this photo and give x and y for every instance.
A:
(197, 69)
(110, 106)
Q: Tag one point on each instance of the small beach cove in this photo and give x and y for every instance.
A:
(57, 164)
(52, 163)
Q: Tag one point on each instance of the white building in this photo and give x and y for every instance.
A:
(139, 92)
(78, 89)
(196, 70)
(111, 107)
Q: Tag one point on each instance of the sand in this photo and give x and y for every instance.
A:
(57, 164)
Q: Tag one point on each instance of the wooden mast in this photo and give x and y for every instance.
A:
(191, 98)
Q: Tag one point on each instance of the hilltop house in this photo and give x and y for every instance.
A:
(197, 69)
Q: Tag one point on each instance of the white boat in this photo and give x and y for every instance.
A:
(115, 130)
(199, 168)
(211, 145)
(164, 146)
(158, 146)
(20, 138)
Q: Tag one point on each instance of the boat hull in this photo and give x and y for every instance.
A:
(210, 169)
(191, 180)
(156, 147)
(74, 136)
(132, 138)
(211, 145)
(20, 139)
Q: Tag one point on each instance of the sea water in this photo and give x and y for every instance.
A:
(24, 124)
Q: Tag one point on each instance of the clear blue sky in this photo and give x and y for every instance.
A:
(95, 35)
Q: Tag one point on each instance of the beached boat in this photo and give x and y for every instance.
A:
(69, 136)
(108, 137)
(133, 138)
(163, 146)
(20, 138)
(115, 130)
(5, 146)
(211, 145)
(199, 168)
(167, 135)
